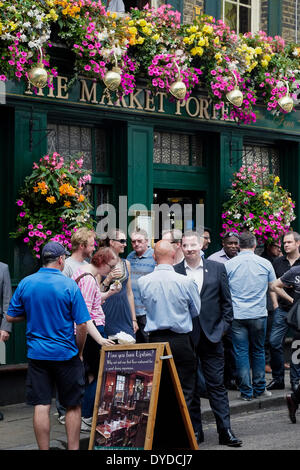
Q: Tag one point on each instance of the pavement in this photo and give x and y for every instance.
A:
(16, 430)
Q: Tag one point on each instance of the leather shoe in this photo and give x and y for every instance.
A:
(292, 407)
(227, 438)
(1, 416)
(275, 385)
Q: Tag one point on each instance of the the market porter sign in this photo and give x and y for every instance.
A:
(93, 93)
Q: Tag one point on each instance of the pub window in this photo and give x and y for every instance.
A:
(241, 16)
(265, 156)
(120, 388)
(69, 140)
(178, 149)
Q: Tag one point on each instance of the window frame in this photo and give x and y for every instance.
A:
(254, 9)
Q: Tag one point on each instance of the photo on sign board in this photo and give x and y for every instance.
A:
(124, 400)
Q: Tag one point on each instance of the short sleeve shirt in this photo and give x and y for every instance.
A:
(292, 279)
(51, 303)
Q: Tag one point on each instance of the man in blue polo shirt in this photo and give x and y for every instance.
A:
(141, 263)
(249, 277)
(51, 304)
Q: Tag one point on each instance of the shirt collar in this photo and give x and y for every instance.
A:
(164, 267)
(200, 265)
(246, 252)
(146, 254)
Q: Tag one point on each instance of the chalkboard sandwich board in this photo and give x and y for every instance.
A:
(139, 402)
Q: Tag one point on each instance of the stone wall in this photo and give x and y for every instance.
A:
(289, 20)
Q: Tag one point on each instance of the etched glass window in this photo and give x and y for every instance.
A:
(178, 149)
(70, 140)
(265, 156)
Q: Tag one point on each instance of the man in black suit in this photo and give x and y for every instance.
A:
(215, 317)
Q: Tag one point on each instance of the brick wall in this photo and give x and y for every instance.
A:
(289, 20)
(263, 24)
(192, 8)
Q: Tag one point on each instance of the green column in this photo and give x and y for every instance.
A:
(213, 8)
(274, 17)
(140, 165)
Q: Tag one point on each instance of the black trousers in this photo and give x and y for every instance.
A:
(184, 357)
(211, 356)
(141, 335)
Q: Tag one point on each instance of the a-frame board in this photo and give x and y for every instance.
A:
(139, 403)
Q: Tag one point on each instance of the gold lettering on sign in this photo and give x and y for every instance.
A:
(106, 96)
(179, 105)
(197, 106)
(121, 102)
(161, 95)
(149, 101)
(203, 112)
(62, 87)
(88, 95)
(134, 101)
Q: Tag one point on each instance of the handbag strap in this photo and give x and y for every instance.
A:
(84, 274)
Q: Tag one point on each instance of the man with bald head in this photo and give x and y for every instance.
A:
(171, 301)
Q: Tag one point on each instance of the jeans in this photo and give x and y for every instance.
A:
(248, 337)
(278, 333)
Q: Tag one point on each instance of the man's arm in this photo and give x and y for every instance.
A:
(225, 298)
(81, 331)
(277, 287)
(5, 327)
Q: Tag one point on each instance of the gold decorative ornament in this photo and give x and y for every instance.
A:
(235, 96)
(178, 88)
(112, 79)
(286, 102)
(38, 76)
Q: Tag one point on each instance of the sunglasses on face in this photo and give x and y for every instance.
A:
(231, 234)
(122, 240)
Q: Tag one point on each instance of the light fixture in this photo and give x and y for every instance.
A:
(235, 96)
(286, 102)
(112, 79)
(178, 88)
(38, 76)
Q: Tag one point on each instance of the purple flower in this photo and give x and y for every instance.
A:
(20, 202)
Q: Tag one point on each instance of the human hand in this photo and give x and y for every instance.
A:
(135, 326)
(4, 335)
(107, 342)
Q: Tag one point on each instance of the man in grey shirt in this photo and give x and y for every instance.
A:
(5, 296)
(83, 246)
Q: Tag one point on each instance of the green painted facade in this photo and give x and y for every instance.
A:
(130, 125)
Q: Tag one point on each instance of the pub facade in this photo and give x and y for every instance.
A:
(143, 147)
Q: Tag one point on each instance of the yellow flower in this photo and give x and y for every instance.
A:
(155, 37)
(67, 189)
(193, 29)
(218, 56)
(142, 23)
(67, 204)
(140, 40)
(186, 40)
(130, 23)
(132, 30)
(217, 40)
(51, 199)
(258, 50)
(276, 180)
(197, 51)
(201, 42)
(81, 198)
(264, 63)
(208, 29)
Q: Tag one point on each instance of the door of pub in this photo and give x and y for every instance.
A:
(179, 209)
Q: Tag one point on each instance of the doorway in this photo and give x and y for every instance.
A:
(178, 209)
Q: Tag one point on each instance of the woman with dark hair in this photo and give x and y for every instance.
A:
(119, 309)
(103, 261)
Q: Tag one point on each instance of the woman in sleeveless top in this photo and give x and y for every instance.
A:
(119, 309)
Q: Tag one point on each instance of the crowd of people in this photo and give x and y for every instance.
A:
(223, 316)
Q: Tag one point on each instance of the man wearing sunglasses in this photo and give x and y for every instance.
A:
(141, 263)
